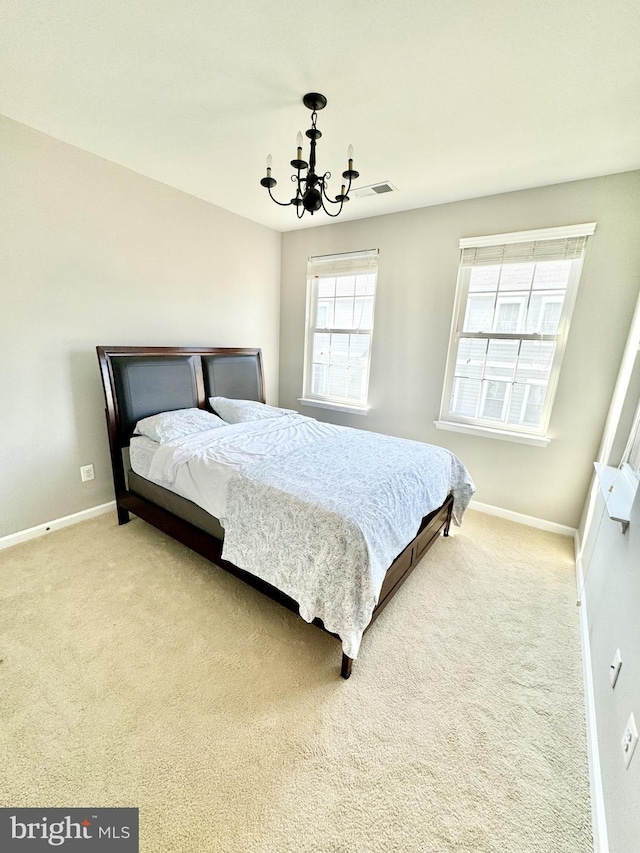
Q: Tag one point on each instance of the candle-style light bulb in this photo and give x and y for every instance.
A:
(342, 190)
(269, 162)
(299, 143)
(350, 156)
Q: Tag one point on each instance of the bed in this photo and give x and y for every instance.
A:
(274, 496)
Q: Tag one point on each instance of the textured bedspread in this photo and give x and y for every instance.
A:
(316, 510)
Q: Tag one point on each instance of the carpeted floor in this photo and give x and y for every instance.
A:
(134, 673)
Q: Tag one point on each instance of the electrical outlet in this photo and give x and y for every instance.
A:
(614, 670)
(86, 473)
(629, 740)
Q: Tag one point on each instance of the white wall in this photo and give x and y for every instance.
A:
(416, 285)
(92, 253)
(611, 566)
(609, 560)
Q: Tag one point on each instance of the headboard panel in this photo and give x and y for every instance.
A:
(236, 376)
(146, 385)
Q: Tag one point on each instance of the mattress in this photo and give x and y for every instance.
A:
(175, 504)
(141, 452)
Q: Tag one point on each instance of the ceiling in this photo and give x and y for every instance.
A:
(446, 99)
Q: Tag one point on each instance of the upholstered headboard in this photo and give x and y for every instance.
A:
(142, 381)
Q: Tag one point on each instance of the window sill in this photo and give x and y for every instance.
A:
(490, 432)
(337, 407)
(618, 486)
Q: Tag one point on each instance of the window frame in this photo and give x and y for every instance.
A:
(348, 264)
(478, 425)
(630, 463)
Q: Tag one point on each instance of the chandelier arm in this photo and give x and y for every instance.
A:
(337, 213)
(326, 177)
(332, 200)
(338, 200)
(281, 203)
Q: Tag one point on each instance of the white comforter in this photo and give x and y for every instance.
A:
(317, 510)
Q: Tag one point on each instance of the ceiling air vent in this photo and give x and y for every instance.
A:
(374, 189)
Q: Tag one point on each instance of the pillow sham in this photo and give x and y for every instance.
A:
(169, 426)
(243, 411)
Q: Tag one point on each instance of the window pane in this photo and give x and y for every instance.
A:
(532, 413)
(343, 315)
(320, 379)
(357, 383)
(544, 313)
(346, 285)
(324, 320)
(365, 284)
(363, 313)
(326, 287)
(479, 313)
(551, 275)
(337, 386)
(551, 310)
(358, 348)
(321, 348)
(634, 452)
(527, 402)
(508, 316)
(502, 357)
(534, 363)
(493, 403)
(471, 358)
(484, 278)
(339, 349)
(516, 277)
(465, 397)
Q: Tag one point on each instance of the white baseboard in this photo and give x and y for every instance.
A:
(529, 520)
(598, 817)
(56, 524)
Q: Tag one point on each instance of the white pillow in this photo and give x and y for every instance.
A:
(243, 411)
(168, 426)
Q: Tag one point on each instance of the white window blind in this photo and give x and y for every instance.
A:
(514, 301)
(522, 253)
(340, 310)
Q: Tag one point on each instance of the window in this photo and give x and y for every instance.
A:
(513, 306)
(631, 455)
(619, 485)
(340, 306)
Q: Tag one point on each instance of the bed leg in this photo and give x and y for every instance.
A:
(347, 665)
(447, 525)
(123, 515)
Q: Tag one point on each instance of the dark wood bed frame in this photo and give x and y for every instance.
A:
(122, 412)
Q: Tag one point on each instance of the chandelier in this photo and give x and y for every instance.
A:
(311, 188)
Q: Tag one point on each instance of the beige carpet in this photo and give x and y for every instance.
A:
(134, 673)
